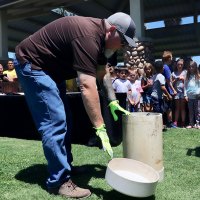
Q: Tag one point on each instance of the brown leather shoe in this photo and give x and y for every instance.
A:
(70, 190)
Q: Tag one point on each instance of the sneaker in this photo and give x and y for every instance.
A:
(70, 190)
(175, 123)
(189, 126)
(197, 126)
(171, 125)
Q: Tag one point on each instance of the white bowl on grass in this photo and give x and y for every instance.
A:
(131, 177)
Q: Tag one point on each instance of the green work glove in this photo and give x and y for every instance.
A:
(101, 133)
(114, 105)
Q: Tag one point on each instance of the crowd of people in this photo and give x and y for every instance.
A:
(8, 75)
(165, 86)
(8, 79)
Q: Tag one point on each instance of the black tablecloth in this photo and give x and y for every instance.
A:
(16, 120)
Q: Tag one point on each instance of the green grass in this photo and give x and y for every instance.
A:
(23, 169)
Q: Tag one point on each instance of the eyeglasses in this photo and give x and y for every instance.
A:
(123, 40)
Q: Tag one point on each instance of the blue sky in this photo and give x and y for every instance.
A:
(152, 25)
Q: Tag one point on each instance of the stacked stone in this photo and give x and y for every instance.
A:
(136, 57)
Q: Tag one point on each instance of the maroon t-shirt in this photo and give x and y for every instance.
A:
(64, 46)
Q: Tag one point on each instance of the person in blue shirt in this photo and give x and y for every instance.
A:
(167, 59)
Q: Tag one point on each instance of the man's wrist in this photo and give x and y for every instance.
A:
(113, 101)
(102, 126)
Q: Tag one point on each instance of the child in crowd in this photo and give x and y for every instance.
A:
(146, 83)
(167, 61)
(178, 78)
(122, 84)
(192, 94)
(135, 94)
(158, 88)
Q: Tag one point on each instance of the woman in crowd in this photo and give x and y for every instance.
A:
(146, 83)
(178, 78)
(192, 94)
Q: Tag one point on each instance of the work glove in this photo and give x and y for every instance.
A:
(114, 105)
(101, 133)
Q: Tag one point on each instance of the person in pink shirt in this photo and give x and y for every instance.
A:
(136, 90)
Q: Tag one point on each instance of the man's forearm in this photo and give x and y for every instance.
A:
(92, 106)
(107, 83)
(90, 98)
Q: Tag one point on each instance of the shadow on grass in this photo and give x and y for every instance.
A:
(105, 195)
(37, 174)
(193, 152)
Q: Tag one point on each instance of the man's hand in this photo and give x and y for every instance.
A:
(114, 105)
(101, 133)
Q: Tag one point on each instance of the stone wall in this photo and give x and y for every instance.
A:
(136, 57)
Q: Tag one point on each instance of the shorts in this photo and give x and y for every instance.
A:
(157, 105)
(167, 105)
(179, 95)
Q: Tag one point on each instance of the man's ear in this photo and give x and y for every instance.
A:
(112, 30)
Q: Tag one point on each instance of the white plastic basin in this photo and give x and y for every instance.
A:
(131, 177)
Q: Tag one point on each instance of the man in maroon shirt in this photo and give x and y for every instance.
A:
(63, 49)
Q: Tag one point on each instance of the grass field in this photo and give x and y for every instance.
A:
(23, 169)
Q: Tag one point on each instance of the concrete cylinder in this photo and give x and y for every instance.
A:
(142, 139)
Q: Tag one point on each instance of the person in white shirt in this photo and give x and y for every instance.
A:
(122, 84)
(135, 95)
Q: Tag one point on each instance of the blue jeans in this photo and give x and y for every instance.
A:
(48, 112)
(193, 111)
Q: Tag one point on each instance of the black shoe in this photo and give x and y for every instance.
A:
(171, 125)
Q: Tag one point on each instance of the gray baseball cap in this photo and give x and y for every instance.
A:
(125, 25)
